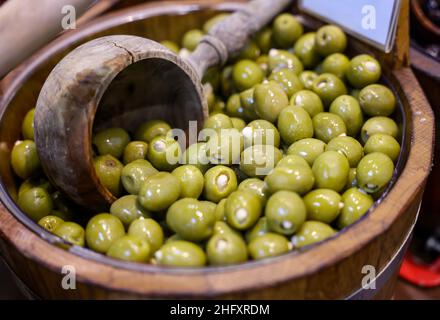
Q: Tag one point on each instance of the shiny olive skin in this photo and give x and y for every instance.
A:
(33, 182)
(305, 50)
(220, 211)
(164, 153)
(328, 126)
(196, 155)
(337, 64)
(363, 70)
(150, 129)
(213, 21)
(268, 245)
(323, 205)
(312, 232)
(288, 80)
(309, 101)
(374, 172)
(109, 171)
(243, 209)
(24, 159)
(130, 248)
(191, 220)
(250, 51)
(36, 203)
(135, 173)
(159, 191)
(351, 182)
(294, 123)
(264, 40)
(259, 160)
(128, 209)
(349, 110)
(50, 223)
(349, 147)
(330, 39)
(226, 249)
(383, 143)
(279, 59)
(260, 132)
(375, 125)
(71, 232)
(263, 62)
(356, 204)
(111, 141)
(174, 47)
(180, 253)
(218, 121)
(246, 74)
(292, 160)
(256, 186)
(377, 100)
(286, 30)
(27, 127)
(247, 102)
(328, 87)
(149, 230)
(220, 182)
(191, 39)
(191, 181)
(331, 171)
(307, 77)
(296, 178)
(285, 212)
(270, 99)
(260, 228)
(238, 123)
(309, 149)
(135, 150)
(102, 230)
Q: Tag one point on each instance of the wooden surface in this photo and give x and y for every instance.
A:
(331, 269)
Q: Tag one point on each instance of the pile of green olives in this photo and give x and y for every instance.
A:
(316, 144)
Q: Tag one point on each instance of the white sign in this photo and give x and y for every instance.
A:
(373, 21)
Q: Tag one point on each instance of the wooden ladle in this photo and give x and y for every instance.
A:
(123, 81)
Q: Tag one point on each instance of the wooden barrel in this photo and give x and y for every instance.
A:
(334, 269)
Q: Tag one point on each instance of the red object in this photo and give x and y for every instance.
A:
(420, 274)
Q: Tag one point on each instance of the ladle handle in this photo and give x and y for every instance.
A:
(228, 37)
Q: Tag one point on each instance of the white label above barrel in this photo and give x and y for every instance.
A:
(373, 21)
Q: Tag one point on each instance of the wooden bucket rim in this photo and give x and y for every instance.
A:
(211, 280)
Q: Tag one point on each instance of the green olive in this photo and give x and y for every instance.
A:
(312, 232)
(328, 126)
(111, 141)
(363, 70)
(36, 203)
(50, 223)
(27, 128)
(135, 150)
(349, 147)
(135, 173)
(374, 172)
(377, 100)
(305, 50)
(337, 64)
(250, 51)
(307, 77)
(268, 245)
(288, 80)
(130, 248)
(238, 123)
(285, 212)
(270, 99)
(218, 121)
(309, 101)
(330, 39)
(264, 40)
(24, 159)
(260, 228)
(174, 47)
(296, 178)
(150, 129)
(34, 182)
(149, 230)
(225, 249)
(328, 87)
(191, 39)
(331, 171)
(159, 191)
(109, 171)
(213, 21)
(259, 160)
(226, 81)
(191, 181)
(102, 230)
(260, 132)
(164, 153)
(309, 149)
(356, 204)
(279, 59)
(351, 182)
(323, 205)
(220, 182)
(196, 155)
(375, 125)
(256, 186)
(243, 209)
(247, 74)
(383, 143)
(292, 160)
(220, 211)
(128, 209)
(349, 110)
(71, 232)
(286, 30)
(180, 254)
(294, 123)
(224, 147)
(247, 103)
